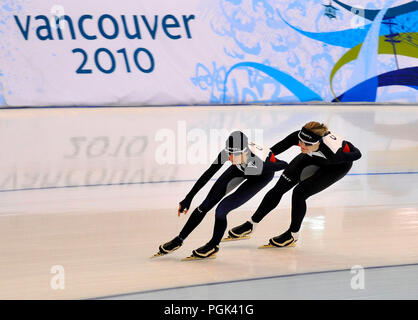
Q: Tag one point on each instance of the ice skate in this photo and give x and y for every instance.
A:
(208, 251)
(168, 247)
(240, 232)
(284, 240)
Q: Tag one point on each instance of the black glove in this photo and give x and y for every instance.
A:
(282, 163)
(185, 204)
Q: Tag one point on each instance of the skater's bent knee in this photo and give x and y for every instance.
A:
(300, 193)
(221, 212)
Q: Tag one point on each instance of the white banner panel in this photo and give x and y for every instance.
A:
(135, 52)
(65, 147)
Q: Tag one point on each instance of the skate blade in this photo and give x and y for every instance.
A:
(192, 258)
(266, 246)
(229, 238)
(158, 254)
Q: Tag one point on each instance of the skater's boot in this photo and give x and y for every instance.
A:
(240, 232)
(287, 239)
(169, 247)
(284, 240)
(207, 251)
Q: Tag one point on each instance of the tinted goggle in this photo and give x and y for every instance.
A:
(315, 139)
(309, 144)
(235, 153)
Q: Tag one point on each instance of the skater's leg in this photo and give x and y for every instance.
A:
(227, 181)
(245, 192)
(317, 180)
(321, 180)
(289, 178)
(272, 199)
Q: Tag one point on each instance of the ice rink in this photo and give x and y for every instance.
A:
(359, 239)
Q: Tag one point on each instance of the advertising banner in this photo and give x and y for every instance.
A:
(128, 53)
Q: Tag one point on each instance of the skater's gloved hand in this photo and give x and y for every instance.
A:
(282, 163)
(184, 206)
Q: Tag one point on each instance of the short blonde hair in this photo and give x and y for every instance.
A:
(319, 129)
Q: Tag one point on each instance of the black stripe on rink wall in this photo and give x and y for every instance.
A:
(179, 181)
